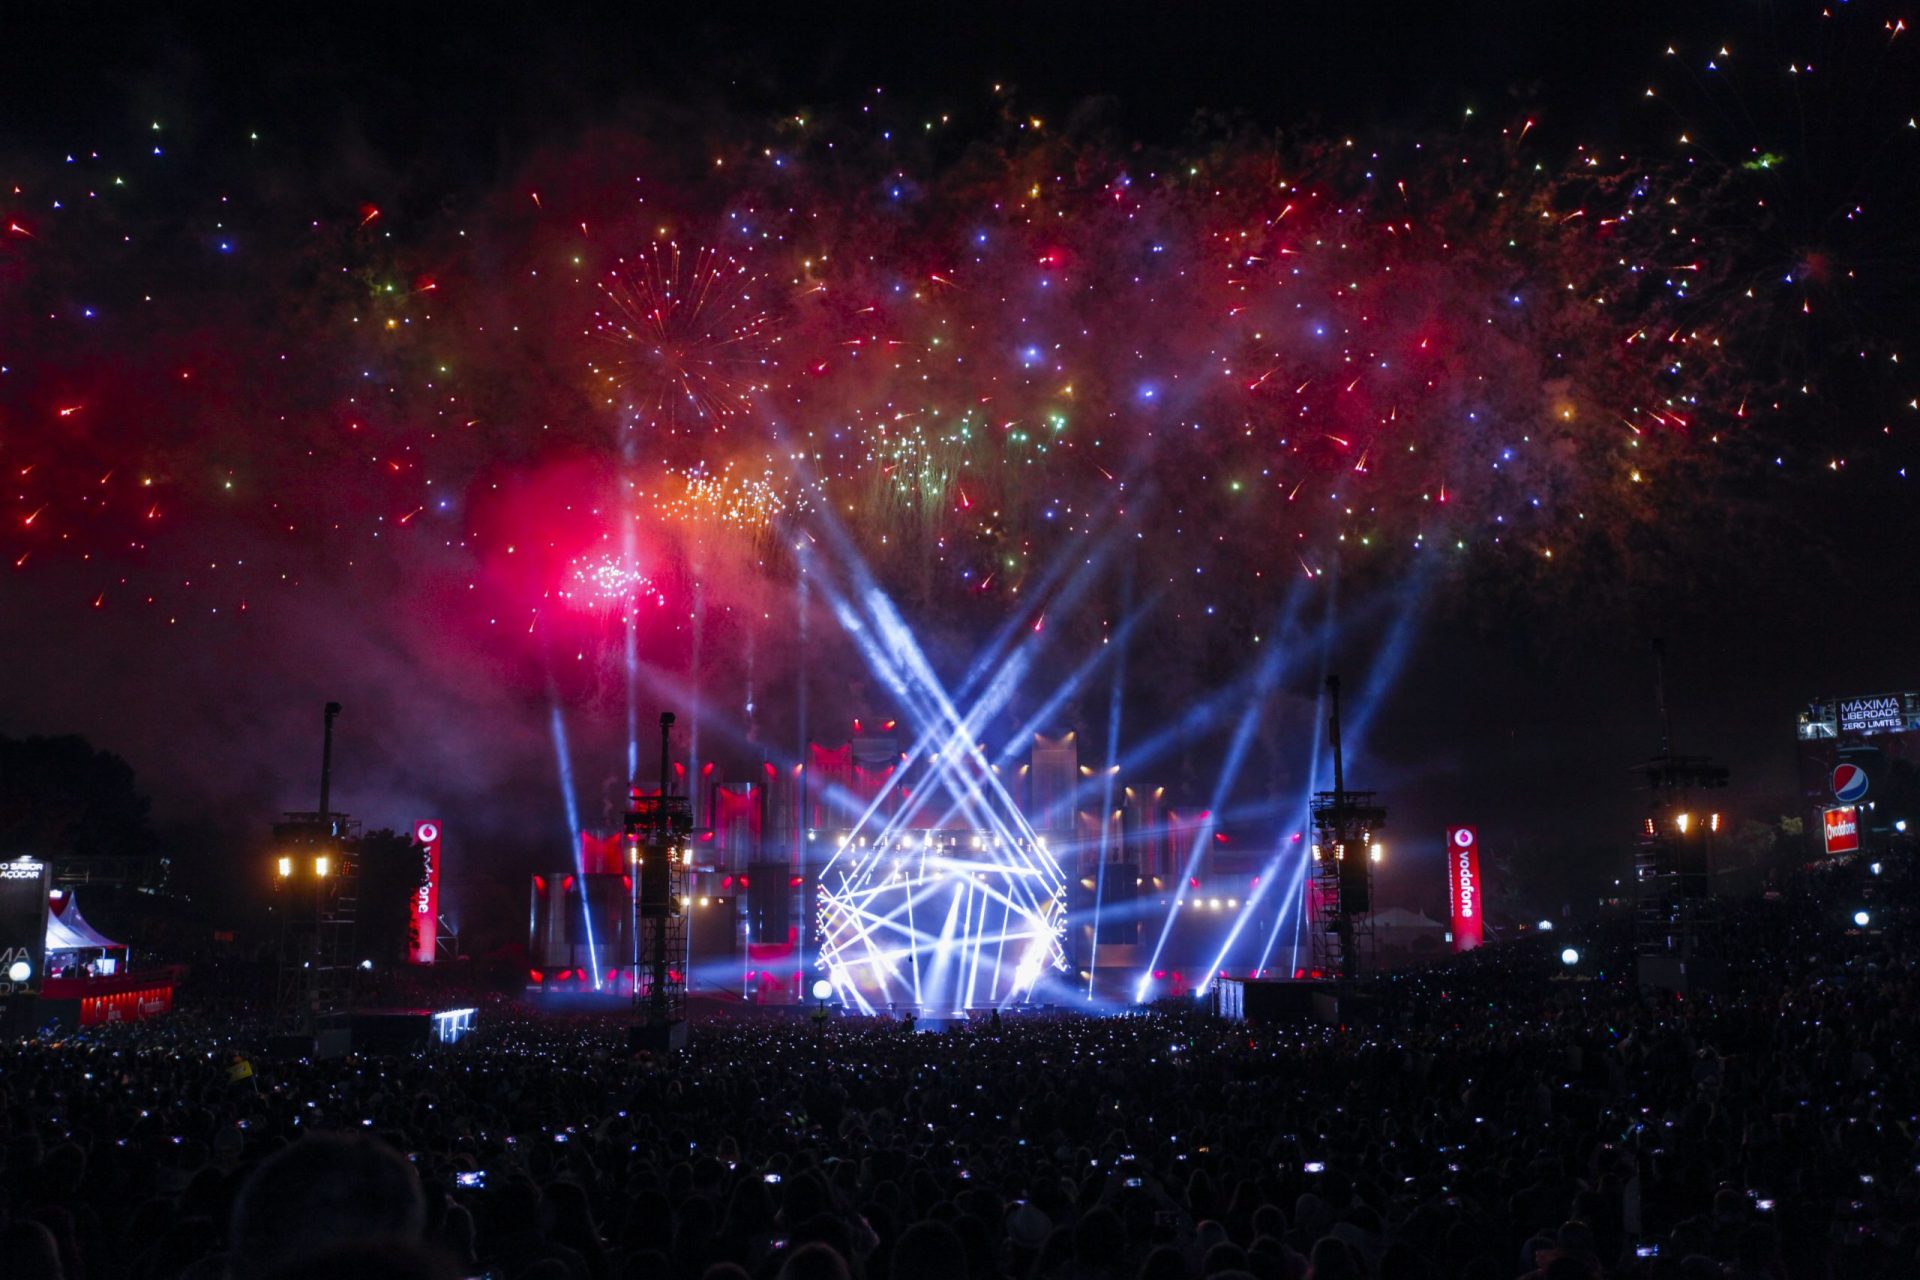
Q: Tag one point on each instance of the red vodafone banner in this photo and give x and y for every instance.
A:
(1463, 887)
(1843, 829)
(424, 927)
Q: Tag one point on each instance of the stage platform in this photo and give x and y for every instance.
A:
(97, 1001)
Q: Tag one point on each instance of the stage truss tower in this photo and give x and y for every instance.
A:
(1344, 852)
(1675, 922)
(1674, 914)
(660, 865)
(318, 866)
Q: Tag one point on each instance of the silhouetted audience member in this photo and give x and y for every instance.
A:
(815, 1262)
(324, 1191)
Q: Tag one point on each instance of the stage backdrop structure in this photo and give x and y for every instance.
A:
(945, 897)
(923, 873)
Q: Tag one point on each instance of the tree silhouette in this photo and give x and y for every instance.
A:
(62, 800)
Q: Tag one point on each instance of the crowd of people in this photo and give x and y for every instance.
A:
(1499, 1116)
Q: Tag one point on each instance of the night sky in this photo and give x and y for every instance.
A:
(323, 374)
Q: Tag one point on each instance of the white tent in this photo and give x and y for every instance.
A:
(68, 930)
(1399, 919)
(1404, 932)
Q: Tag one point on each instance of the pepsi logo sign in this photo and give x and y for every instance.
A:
(1849, 783)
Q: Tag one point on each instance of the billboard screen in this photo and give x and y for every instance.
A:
(1882, 713)
(1463, 888)
(23, 926)
(1854, 749)
(423, 927)
(1868, 716)
(1843, 829)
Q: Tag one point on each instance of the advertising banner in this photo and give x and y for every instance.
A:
(1881, 714)
(1463, 888)
(1843, 829)
(23, 927)
(424, 922)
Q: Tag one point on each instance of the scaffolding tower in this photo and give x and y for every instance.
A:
(1674, 912)
(318, 866)
(657, 830)
(317, 872)
(1343, 856)
(1676, 925)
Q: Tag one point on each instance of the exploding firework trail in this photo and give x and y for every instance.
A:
(1452, 343)
(1470, 343)
(688, 334)
(1491, 345)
